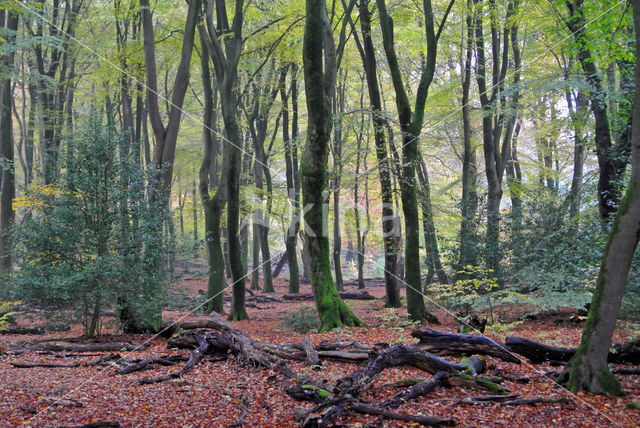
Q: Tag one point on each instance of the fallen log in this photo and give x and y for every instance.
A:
(144, 363)
(537, 352)
(103, 359)
(58, 346)
(196, 356)
(312, 355)
(418, 390)
(441, 343)
(347, 295)
(418, 419)
(326, 414)
(23, 330)
(397, 355)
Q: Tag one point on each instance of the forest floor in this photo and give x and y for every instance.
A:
(211, 394)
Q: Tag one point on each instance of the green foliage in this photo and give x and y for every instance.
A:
(555, 259)
(303, 320)
(92, 238)
(7, 313)
(477, 290)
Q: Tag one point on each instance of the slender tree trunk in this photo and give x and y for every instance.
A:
(213, 206)
(469, 203)
(367, 53)
(292, 193)
(608, 193)
(588, 369)
(338, 110)
(411, 125)
(196, 239)
(431, 240)
(9, 21)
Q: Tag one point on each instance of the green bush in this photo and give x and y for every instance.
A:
(303, 320)
(93, 240)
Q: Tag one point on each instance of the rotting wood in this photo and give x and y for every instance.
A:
(441, 343)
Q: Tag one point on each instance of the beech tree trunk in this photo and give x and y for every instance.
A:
(588, 369)
(367, 53)
(9, 21)
(469, 202)
(608, 156)
(411, 126)
(319, 85)
(293, 186)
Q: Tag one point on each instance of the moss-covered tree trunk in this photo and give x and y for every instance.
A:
(209, 176)
(411, 127)
(333, 312)
(588, 369)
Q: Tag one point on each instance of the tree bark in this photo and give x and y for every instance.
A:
(319, 85)
(411, 126)
(588, 369)
(367, 54)
(608, 194)
(469, 203)
(9, 21)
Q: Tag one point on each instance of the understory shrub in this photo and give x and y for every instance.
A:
(94, 238)
(303, 320)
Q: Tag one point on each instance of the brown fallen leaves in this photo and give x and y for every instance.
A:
(226, 394)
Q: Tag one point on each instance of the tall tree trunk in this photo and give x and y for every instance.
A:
(588, 369)
(367, 53)
(430, 238)
(608, 193)
(319, 85)
(213, 206)
(292, 189)
(196, 238)
(493, 120)
(9, 22)
(469, 203)
(411, 125)
(338, 110)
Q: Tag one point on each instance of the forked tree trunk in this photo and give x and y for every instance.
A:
(588, 369)
(411, 125)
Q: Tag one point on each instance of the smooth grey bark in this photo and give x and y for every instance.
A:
(494, 121)
(293, 187)
(338, 106)
(610, 164)
(166, 137)
(225, 53)
(213, 206)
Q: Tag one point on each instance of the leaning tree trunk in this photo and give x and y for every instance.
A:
(588, 369)
(332, 310)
